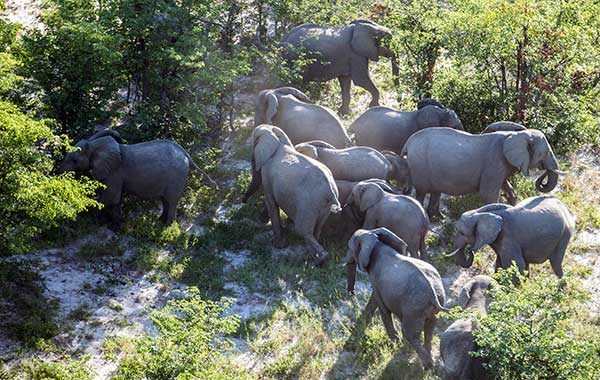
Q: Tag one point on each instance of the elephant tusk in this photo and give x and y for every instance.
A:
(560, 172)
(451, 254)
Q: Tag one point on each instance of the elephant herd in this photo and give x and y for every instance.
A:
(356, 183)
(306, 164)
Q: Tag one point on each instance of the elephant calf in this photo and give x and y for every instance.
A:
(535, 230)
(385, 128)
(457, 341)
(357, 163)
(409, 288)
(401, 214)
(153, 169)
(302, 187)
(291, 110)
(443, 160)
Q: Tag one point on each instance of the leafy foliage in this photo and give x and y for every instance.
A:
(528, 332)
(189, 344)
(70, 369)
(31, 199)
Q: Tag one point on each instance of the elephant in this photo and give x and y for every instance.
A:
(409, 288)
(429, 102)
(535, 230)
(457, 341)
(291, 110)
(385, 128)
(340, 52)
(302, 187)
(443, 160)
(504, 126)
(401, 214)
(153, 169)
(357, 163)
(343, 224)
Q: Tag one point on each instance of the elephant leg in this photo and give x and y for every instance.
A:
(498, 263)
(489, 188)
(279, 240)
(263, 217)
(360, 76)
(345, 83)
(111, 199)
(305, 226)
(428, 332)
(510, 193)
(556, 258)
(320, 223)
(420, 196)
(423, 249)
(411, 329)
(386, 317)
(433, 208)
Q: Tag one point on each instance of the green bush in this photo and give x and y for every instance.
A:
(529, 332)
(31, 199)
(189, 343)
(70, 369)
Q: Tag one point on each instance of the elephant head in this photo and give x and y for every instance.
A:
(267, 103)
(312, 148)
(371, 40)
(529, 149)
(474, 294)
(101, 155)
(433, 116)
(475, 229)
(400, 170)
(365, 195)
(361, 246)
(503, 126)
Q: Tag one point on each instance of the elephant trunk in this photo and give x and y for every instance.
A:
(395, 71)
(254, 184)
(351, 276)
(551, 175)
(460, 245)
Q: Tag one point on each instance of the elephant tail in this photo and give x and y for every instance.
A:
(195, 166)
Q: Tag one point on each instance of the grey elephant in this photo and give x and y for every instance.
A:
(443, 160)
(357, 163)
(302, 187)
(457, 341)
(385, 128)
(429, 102)
(535, 230)
(409, 288)
(291, 110)
(401, 214)
(150, 170)
(504, 126)
(340, 52)
(343, 224)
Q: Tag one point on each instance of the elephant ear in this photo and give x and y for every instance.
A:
(487, 228)
(283, 138)
(365, 245)
(363, 39)
(266, 144)
(389, 238)
(105, 156)
(272, 104)
(295, 92)
(369, 195)
(465, 294)
(308, 150)
(517, 150)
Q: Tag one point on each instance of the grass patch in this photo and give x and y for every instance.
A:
(114, 346)
(68, 369)
(27, 315)
(81, 313)
(580, 191)
(97, 250)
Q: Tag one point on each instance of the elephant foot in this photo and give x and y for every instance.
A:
(344, 110)
(282, 242)
(321, 258)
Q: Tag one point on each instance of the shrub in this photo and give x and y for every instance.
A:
(71, 369)
(189, 343)
(31, 199)
(528, 333)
